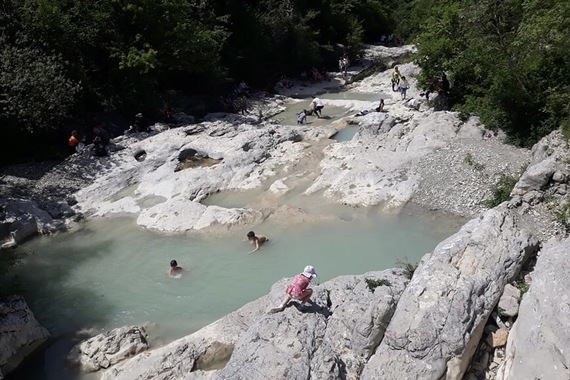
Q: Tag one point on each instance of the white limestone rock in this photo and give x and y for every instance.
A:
(509, 301)
(441, 314)
(237, 157)
(20, 332)
(361, 309)
(539, 342)
(109, 348)
(290, 344)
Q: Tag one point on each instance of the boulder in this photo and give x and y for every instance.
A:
(328, 339)
(441, 315)
(548, 164)
(509, 301)
(538, 343)
(361, 309)
(23, 219)
(536, 176)
(497, 338)
(109, 348)
(196, 356)
(20, 332)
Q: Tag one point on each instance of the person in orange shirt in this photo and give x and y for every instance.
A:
(74, 142)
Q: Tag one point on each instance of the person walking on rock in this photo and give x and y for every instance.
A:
(395, 79)
(298, 289)
(404, 85)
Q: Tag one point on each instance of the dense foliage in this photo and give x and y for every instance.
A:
(63, 60)
(508, 60)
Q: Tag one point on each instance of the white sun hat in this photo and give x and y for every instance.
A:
(309, 271)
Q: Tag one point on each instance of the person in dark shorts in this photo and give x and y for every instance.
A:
(317, 106)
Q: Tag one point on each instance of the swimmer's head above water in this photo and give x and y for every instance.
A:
(173, 264)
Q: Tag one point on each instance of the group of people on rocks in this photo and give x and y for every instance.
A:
(343, 64)
(437, 84)
(399, 83)
(316, 75)
(101, 137)
(391, 40)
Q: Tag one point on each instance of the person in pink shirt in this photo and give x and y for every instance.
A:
(298, 289)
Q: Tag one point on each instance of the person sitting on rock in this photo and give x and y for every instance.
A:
(102, 134)
(75, 143)
(258, 240)
(100, 142)
(174, 271)
(380, 107)
(298, 289)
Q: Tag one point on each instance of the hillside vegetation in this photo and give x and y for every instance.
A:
(64, 61)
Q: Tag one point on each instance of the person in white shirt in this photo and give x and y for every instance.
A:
(317, 105)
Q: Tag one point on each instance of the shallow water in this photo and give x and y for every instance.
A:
(330, 113)
(346, 134)
(347, 95)
(113, 273)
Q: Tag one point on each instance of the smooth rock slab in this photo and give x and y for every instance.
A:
(539, 342)
(441, 315)
(361, 309)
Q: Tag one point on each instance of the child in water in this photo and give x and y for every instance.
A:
(258, 240)
(174, 271)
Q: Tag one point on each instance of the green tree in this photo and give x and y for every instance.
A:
(506, 61)
(34, 88)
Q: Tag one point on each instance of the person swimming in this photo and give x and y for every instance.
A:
(258, 240)
(174, 271)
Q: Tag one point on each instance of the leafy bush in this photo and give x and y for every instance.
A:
(507, 61)
(408, 267)
(374, 283)
(522, 286)
(35, 89)
(469, 160)
(501, 191)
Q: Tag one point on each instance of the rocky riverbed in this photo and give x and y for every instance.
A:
(427, 324)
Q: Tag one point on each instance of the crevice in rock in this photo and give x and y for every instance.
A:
(189, 158)
(140, 155)
(216, 356)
